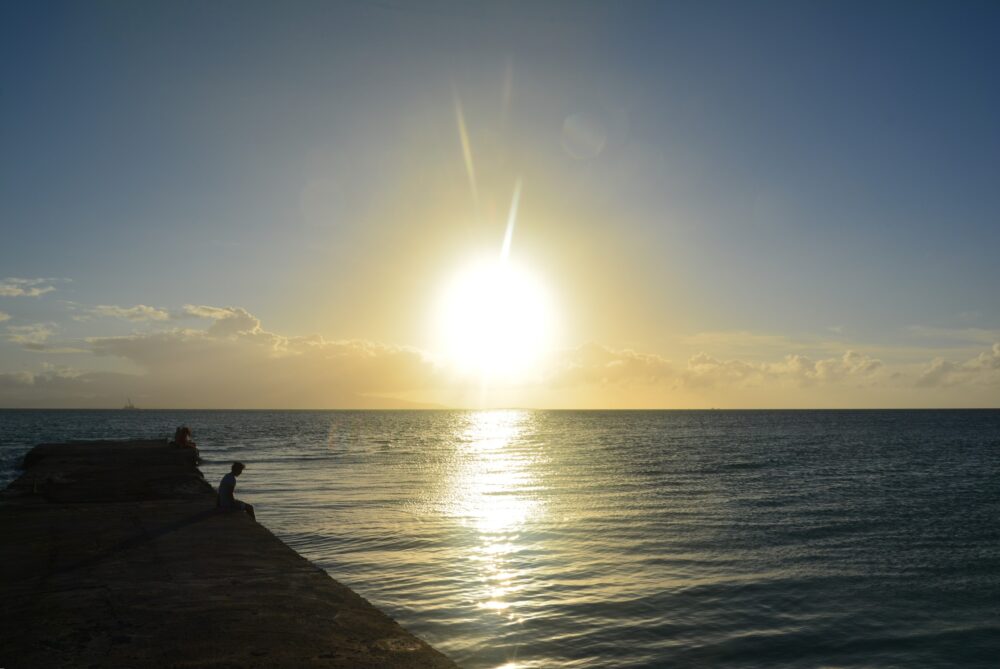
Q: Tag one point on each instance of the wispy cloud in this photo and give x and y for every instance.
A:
(36, 338)
(228, 320)
(236, 319)
(34, 334)
(16, 287)
(4, 316)
(139, 312)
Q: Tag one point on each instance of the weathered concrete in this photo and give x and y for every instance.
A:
(114, 555)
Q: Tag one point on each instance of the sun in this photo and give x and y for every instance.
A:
(495, 319)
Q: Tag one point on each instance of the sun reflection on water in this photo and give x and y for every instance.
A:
(495, 493)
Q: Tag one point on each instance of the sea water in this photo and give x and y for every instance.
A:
(536, 539)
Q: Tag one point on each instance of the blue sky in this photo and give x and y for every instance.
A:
(818, 174)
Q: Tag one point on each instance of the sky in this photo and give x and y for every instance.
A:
(718, 204)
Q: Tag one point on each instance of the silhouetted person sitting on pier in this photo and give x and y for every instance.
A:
(182, 438)
(227, 488)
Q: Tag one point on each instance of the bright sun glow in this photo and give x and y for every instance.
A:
(495, 319)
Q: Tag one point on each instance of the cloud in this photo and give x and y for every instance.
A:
(16, 379)
(4, 316)
(229, 321)
(63, 388)
(594, 364)
(705, 371)
(15, 287)
(35, 338)
(231, 360)
(984, 369)
(50, 348)
(851, 366)
(599, 365)
(29, 335)
(139, 312)
(794, 369)
(235, 362)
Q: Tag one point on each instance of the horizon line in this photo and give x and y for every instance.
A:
(502, 408)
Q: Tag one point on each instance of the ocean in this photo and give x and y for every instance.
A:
(559, 539)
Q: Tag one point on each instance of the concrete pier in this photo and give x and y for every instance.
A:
(114, 555)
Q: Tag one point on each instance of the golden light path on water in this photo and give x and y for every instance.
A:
(495, 491)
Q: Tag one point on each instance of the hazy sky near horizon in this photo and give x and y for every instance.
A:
(249, 204)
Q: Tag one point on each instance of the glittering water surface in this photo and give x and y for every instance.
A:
(627, 539)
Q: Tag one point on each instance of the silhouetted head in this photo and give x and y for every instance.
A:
(238, 468)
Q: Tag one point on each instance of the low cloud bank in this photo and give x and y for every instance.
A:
(231, 361)
(600, 365)
(982, 370)
(235, 362)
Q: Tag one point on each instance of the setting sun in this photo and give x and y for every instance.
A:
(494, 319)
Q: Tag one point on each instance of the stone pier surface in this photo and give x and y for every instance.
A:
(114, 555)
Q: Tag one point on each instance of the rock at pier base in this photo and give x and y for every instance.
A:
(114, 555)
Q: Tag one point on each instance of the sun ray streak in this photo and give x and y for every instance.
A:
(511, 220)
(463, 135)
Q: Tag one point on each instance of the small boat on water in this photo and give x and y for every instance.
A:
(129, 406)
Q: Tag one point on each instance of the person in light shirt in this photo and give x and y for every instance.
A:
(227, 489)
